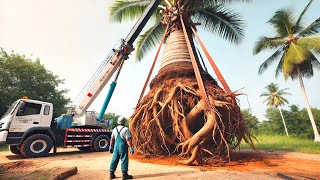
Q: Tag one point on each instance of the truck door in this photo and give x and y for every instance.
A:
(24, 119)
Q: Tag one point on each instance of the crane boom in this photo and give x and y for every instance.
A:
(115, 60)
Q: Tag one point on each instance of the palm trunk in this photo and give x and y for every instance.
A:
(284, 123)
(176, 50)
(314, 126)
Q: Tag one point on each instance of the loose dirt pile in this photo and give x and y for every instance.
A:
(27, 170)
(293, 165)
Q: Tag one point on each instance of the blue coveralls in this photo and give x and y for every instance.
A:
(120, 152)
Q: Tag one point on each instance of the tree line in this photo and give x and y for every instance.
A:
(297, 122)
(22, 76)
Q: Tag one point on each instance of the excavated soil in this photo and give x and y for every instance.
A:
(246, 164)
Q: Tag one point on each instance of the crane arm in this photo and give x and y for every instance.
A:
(115, 60)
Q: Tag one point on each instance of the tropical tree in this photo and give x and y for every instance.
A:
(174, 116)
(275, 99)
(251, 121)
(296, 46)
(21, 76)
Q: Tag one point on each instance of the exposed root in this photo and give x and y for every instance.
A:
(173, 118)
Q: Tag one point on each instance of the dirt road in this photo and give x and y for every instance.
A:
(94, 165)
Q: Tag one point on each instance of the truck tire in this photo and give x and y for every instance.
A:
(101, 143)
(37, 145)
(14, 149)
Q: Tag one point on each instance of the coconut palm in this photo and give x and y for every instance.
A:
(173, 117)
(296, 46)
(275, 99)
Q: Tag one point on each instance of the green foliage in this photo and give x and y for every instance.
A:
(3, 147)
(284, 143)
(250, 120)
(114, 117)
(21, 76)
(212, 14)
(295, 47)
(275, 96)
(149, 39)
(298, 123)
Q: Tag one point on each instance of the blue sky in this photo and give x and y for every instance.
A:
(72, 37)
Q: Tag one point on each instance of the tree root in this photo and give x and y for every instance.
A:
(172, 118)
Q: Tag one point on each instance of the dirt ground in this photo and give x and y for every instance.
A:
(245, 164)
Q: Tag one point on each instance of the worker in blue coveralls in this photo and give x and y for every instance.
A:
(120, 139)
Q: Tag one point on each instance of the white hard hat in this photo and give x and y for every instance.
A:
(121, 120)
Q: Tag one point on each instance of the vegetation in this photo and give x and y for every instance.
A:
(177, 116)
(298, 123)
(3, 148)
(113, 118)
(275, 99)
(285, 143)
(296, 47)
(21, 76)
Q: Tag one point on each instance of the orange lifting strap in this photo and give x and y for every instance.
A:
(194, 64)
(213, 65)
(154, 62)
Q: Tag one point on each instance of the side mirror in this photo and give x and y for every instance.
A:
(22, 106)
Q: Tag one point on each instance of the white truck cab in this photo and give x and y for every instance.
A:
(23, 115)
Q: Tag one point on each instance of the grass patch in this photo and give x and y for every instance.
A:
(4, 147)
(284, 143)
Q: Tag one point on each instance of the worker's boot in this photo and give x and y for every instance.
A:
(125, 175)
(112, 175)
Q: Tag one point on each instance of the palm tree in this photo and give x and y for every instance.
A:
(296, 46)
(173, 117)
(275, 99)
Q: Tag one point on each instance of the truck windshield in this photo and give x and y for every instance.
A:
(11, 108)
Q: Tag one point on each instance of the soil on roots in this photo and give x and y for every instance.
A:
(173, 119)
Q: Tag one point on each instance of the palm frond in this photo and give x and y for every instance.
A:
(208, 3)
(268, 43)
(221, 21)
(297, 26)
(275, 97)
(306, 68)
(149, 39)
(270, 60)
(290, 64)
(265, 94)
(310, 43)
(312, 29)
(123, 10)
(279, 66)
(283, 92)
(297, 54)
(282, 21)
(315, 63)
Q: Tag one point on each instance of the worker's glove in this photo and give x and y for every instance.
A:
(131, 150)
(111, 150)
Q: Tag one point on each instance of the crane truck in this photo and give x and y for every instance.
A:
(28, 126)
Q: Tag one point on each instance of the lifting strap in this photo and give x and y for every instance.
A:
(213, 64)
(194, 64)
(153, 64)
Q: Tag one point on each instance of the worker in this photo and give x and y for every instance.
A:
(120, 139)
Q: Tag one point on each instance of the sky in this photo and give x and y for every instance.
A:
(72, 37)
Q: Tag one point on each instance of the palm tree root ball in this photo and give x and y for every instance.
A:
(173, 118)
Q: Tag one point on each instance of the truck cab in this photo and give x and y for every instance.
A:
(23, 115)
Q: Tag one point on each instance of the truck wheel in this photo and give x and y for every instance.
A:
(37, 145)
(85, 148)
(14, 149)
(101, 143)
